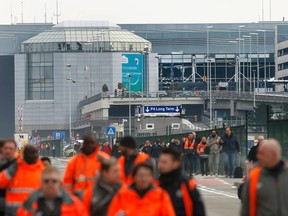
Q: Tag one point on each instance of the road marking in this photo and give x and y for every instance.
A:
(218, 192)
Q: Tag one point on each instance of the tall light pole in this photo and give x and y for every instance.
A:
(250, 61)
(207, 58)
(254, 101)
(70, 80)
(265, 70)
(258, 72)
(129, 86)
(239, 52)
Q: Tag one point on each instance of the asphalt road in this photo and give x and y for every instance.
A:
(219, 193)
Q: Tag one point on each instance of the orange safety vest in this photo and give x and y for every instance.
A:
(82, 171)
(254, 179)
(141, 157)
(201, 147)
(26, 179)
(187, 146)
(71, 205)
(186, 196)
(155, 202)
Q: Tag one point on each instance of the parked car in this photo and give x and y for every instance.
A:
(69, 151)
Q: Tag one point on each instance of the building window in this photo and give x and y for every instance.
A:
(40, 77)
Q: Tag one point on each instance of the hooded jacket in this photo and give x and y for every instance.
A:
(20, 180)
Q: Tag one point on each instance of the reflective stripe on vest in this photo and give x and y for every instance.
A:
(20, 190)
(186, 197)
(254, 179)
(187, 146)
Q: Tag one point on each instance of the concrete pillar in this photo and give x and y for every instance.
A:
(232, 108)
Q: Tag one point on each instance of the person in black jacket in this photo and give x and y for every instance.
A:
(7, 158)
(253, 151)
(176, 145)
(115, 149)
(155, 152)
(146, 148)
(179, 186)
(230, 149)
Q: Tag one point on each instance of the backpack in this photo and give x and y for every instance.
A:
(238, 172)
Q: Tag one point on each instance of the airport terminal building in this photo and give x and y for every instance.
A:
(81, 59)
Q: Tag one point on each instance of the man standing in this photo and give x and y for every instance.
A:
(7, 158)
(52, 199)
(230, 149)
(129, 159)
(115, 149)
(21, 178)
(98, 197)
(266, 191)
(82, 169)
(183, 193)
(214, 149)
(146, 148)
(155, 152)
(253, 151)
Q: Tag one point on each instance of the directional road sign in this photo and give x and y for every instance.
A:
(110, 131)
(162, 110)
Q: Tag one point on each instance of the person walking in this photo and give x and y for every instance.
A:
(202, 151)
(183, 193)
(115, 149)
(21, 178)
(53, 150)
(141, 197)
(214, 152)
(230, 149)
(51, 199)
(98, 198)
(106, 148)
(129, 159)
(266, 191)
(155, 152)
(7, 158)
(82, 170)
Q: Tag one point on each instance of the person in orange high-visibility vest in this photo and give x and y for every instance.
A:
(202, 151)
(130, 158)
(52, 199)
(142, 197)
(21, 178)
(83, 169)
(265, 193)
(183, 193)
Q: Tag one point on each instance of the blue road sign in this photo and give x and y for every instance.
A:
(110, 131)
(162, 110)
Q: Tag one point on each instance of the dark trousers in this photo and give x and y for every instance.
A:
(196, 163)
(188, 163)
(204, 166)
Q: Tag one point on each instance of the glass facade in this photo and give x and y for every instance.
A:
(40, 77)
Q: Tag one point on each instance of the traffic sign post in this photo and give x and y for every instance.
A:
(162, 110)
(110, 131)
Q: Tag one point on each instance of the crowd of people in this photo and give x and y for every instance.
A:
(129, 182)
(200, 155)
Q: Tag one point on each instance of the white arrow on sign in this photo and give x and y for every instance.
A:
(147, 110)
(177, 109)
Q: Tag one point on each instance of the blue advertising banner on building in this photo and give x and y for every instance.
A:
(132, 64)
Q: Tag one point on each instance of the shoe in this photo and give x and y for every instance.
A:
(230, 176)
(202, 174)
(226, 176)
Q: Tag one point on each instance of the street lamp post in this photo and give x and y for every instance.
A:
(209, 78)
(70, 80)
(250, 61)
(129, 81)
(254, 101)
(239, 52)
(258, 72)
(265, 71)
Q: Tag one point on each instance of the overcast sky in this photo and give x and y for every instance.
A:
(145, 11)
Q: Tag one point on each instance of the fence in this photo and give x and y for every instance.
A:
(239, 132)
